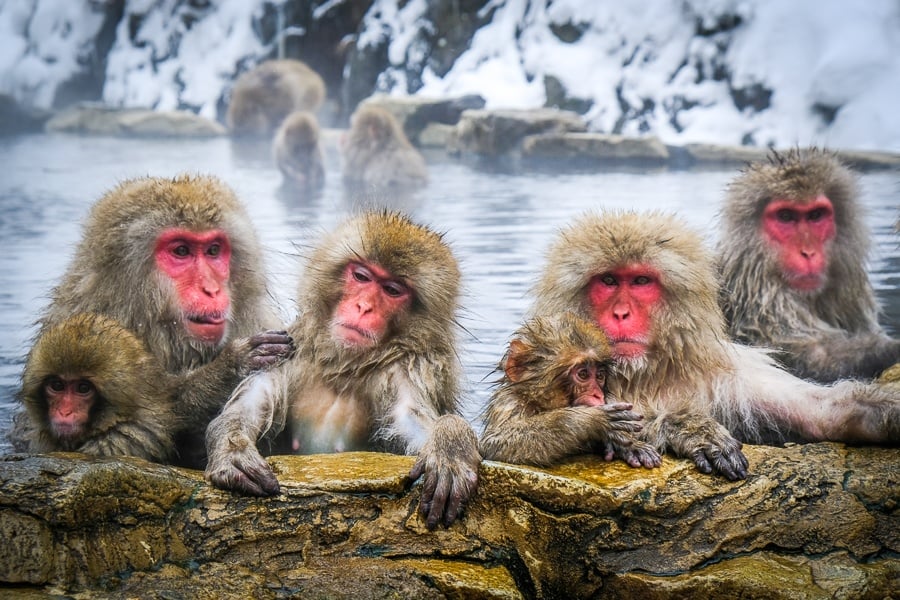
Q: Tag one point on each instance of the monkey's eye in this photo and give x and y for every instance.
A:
(582, 373)
(642, 280)
(786, 215)
(181, 250)
(608, 279)
(84, 387)
(394, 290)
(817, 214)
(214, 250)
(56, 384)
(361, 276)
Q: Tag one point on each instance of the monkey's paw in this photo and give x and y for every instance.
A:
(723, 457)
(640, 454)
(242, 470)
(267, 349)
(446, 487)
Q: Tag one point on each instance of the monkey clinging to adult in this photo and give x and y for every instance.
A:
(376, 368)
(551, 402)
(792, 258)
(90, 386)
(648, 282)
(177, 263)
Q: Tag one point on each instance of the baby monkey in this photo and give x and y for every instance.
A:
(551, 401)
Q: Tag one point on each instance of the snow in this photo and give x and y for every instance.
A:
(830, 69)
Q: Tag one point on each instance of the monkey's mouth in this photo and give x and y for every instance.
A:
(206, 327)
(628, 348)
(354, 336)
(808, 282)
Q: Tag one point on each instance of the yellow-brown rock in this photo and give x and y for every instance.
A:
(811, 521)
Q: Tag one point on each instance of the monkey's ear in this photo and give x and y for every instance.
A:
(516, 358)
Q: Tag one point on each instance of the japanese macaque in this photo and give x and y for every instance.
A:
(376, 368)
(377, 154)
(792, 258)
(263, 96)
(298, 152)
(177, 263)
(90, 386)
(648, 282)
(551, 402)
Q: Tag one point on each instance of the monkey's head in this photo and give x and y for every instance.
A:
(803, 204)
(554, 362)
(644, 278)
(175, 254)
(380, 274)
(301, 133)
(83, 373)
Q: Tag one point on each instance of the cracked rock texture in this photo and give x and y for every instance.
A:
(811, 521)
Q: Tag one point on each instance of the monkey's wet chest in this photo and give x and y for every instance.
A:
(323, 421)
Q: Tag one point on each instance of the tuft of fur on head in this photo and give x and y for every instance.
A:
(754, 298)
(686, 339)
(114, 270)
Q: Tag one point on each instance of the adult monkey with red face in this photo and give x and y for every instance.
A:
(376, 368)
(648, 282)
(792, 257)
(177, 263)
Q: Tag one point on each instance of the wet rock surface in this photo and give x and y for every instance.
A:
(811, 521)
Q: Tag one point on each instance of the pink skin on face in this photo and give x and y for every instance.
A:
(621, 301)
(199, 265)
(800, 233)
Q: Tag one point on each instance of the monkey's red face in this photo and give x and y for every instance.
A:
(622, 301)
(69, 402)
(587, 381)
(372, 299)
(800, 233)
(199, 266)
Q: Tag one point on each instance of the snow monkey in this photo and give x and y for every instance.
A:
(551, 402)
(177, 263)
(298, 151)
(376, 368)
(377, 153)
(263, 96)
(90, 386)
(792, 258)
(648, 282)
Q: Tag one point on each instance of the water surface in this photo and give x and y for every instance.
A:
(499, 225)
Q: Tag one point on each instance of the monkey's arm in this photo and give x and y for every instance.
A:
(548, 437)
(22, 432)
(205, 389)
(702, 439)
(422, 417)
(833, 355)
(146, 438)
(259, 404)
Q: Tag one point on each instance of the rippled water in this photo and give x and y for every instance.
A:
(499, 224)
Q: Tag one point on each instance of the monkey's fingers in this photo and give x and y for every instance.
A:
(247, 474)
(641, 454)
(465, 481)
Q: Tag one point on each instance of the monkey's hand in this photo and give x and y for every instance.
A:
(719, 453)
(236, 464)
(637, 454)
(263, 350)
(449, 462)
